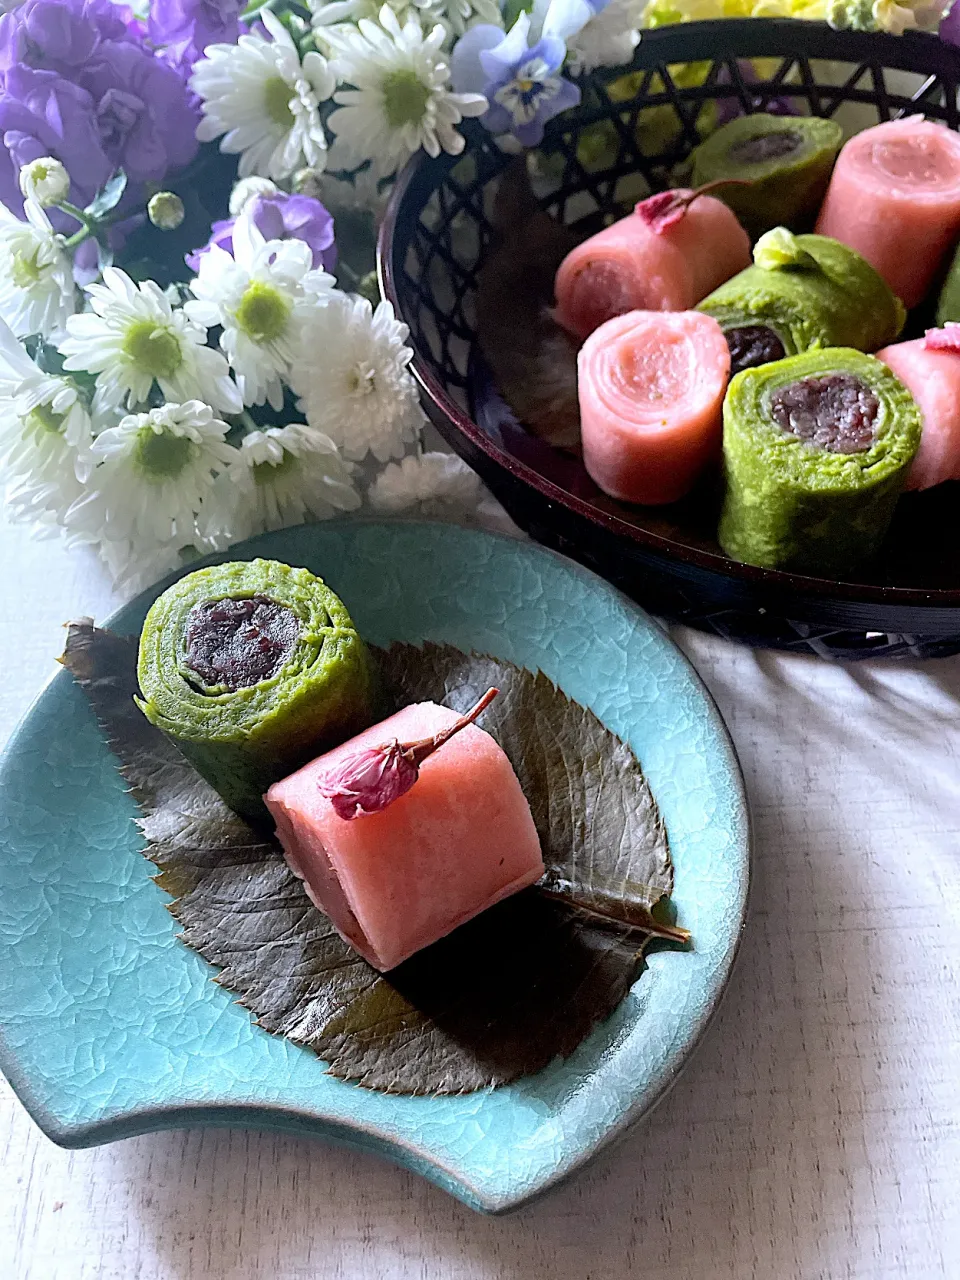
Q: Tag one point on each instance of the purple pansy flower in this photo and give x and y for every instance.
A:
(522, 82)
(280, 217)
(221, 235)
(186, 27)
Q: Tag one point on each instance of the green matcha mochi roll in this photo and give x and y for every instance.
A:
(802, 293)
(786, 159)
(948, 304)
(816, 450)
(253, 668)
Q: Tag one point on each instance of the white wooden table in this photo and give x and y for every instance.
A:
(816, 1133)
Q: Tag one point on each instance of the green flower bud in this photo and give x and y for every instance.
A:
(165, 210)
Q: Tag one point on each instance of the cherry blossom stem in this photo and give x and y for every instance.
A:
(684, 202)
(417, 752)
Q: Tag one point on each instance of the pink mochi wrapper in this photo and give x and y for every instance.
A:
(933, 379)
(461, 839)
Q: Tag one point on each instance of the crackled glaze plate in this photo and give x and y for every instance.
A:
(109, 1026)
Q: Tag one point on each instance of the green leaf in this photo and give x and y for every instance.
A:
(108, 197)
(499, 998)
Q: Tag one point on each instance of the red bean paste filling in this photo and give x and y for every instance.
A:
(238, 643)
(751, 345)
(836, 412)
(765, 146)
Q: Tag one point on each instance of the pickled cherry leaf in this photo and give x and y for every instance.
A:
(945, 339)
(505, 994)
(663, 210)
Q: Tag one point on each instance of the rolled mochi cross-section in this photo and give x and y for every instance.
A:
(631, 266)
(785, 160)
(651, 387)
(803, 292)
(895, 197)
(932, 375)
(251, 668)
(816, 450)
(459, 840)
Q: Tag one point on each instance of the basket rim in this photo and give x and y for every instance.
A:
(919, 52)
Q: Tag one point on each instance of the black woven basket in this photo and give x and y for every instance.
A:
(434, 239)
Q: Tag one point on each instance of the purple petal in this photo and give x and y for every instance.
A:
(467, 74)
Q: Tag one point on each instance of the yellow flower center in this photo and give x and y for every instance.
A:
(43, 421)
(161, 456)
(263, 312)
(26, 270)
(361, 380)
(267, 472)
(405, 98)
(276, 101)
(153, 349)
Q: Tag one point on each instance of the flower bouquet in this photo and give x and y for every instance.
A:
(192, 348)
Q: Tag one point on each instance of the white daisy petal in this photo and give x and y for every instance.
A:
(36, 278)
(352, 378)
(261, 297)
(399, 100)
(433, 484)
(281, 476)
(45, 436)
(262, 103)
(134, 337)
(608, 38)
(151, 474)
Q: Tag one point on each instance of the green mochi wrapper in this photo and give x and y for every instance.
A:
(948, 304)
(242, 741)
(790, 505)
(786, 189)
(833, 298)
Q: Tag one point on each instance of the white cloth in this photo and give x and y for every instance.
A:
(815, 1135)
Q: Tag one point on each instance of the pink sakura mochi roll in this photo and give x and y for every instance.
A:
(458, 841)
(644, 263)
(895, 197)
(931, 373)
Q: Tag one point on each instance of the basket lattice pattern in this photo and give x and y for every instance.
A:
(618, 150)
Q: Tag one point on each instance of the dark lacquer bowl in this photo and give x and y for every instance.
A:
(437, 234)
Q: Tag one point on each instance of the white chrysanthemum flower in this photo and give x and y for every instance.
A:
(247, 189)
(335, 13)
(454, 15)
(133, 567)
(281, 476)
(608, 39)
(433, 484)
(151, 476)
(264, 101)
(460, 15)
(36, 279)
(44, 180)
(135, 337)
(400, 100)
(261, 296)
(352, 378)
(361, 192)
(45, 436)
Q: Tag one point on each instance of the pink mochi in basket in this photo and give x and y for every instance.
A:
(459, 840)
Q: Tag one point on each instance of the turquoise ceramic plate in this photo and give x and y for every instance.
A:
(110, 1027)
